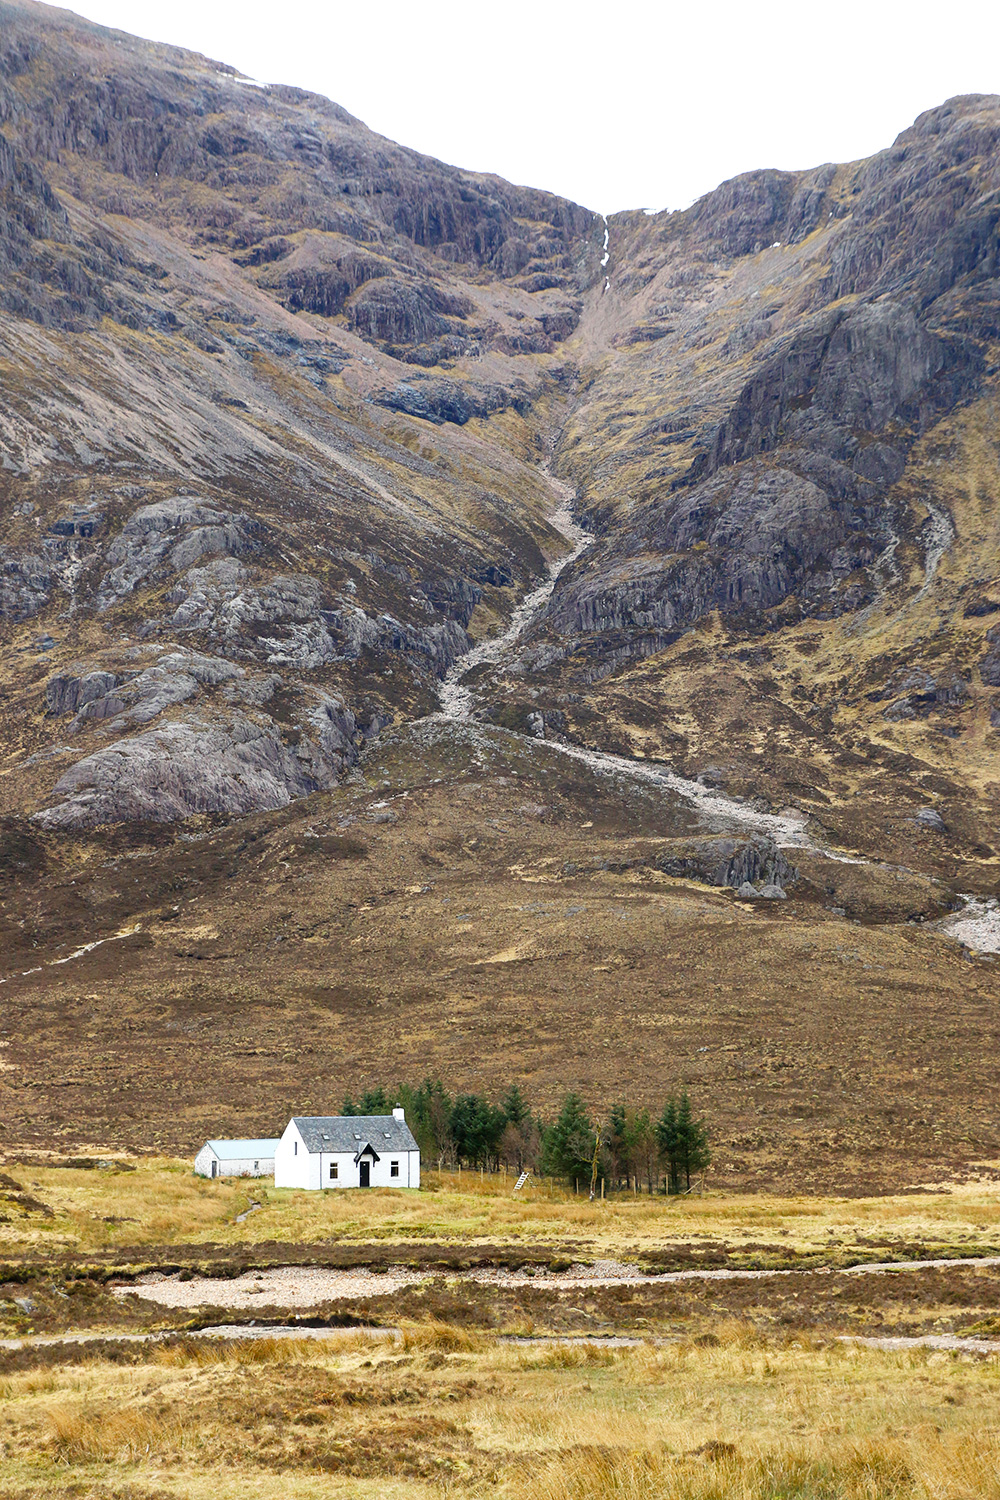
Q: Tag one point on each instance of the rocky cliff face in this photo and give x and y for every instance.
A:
(240, 336)
(282, 400)
(810, 328)
(785, 443)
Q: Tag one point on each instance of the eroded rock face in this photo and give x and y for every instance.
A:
(775, 469)
(169, 773)
(741, 540)
(65, 695)
(446, 401)
(399, 312)
(168, 537)
(730, 862)
(26, 584)
(142, 117)
(861, 370)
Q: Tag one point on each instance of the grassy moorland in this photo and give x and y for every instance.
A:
(160, 1204)
(441, 1412)
(746, 1389)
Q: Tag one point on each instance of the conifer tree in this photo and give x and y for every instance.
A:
(476, 1128)
(667, 1136)
(693, 1142)
(569, 1142)
(374, 1101)
(515, 1107)
(683, 1142)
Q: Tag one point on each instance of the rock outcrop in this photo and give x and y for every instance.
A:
(180, 769)
(752, 862)
(776, 474)
(445, 401)
(169, 537)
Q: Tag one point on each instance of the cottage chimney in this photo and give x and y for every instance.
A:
(398, 1113)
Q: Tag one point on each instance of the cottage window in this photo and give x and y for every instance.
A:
(256, 1166)
(334, 1171)
(394, 1169)
(296, 1145)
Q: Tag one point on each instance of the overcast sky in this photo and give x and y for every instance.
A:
(622, 105)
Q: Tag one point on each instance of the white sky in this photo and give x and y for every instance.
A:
(621, 105)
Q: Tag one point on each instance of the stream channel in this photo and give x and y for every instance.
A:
(977, 925)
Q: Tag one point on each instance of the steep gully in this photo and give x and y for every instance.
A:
(977, 925)
(458, 701)
(458, 704)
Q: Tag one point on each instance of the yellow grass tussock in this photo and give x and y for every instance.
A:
(447, 1338)
(119, 1435)
(872, 1469)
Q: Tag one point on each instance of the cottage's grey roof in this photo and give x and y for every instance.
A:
(240, 1150)
(351, 1132)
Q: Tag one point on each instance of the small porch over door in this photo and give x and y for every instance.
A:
(363, 1161)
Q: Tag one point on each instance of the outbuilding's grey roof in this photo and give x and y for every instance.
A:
(240, 1150)
(351, 1132)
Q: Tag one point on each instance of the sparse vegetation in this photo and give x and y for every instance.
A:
(162, 1205)
(732, 1416)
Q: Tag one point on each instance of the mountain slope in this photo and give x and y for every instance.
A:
(786, 445)
(289, 413)
(219, 305)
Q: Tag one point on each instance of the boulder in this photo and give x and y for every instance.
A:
(929, 817)
(728, 861)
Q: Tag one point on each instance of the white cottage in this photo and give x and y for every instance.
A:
(236, 1158)
(347, 1151)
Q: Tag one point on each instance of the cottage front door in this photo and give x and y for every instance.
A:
(364, 1169)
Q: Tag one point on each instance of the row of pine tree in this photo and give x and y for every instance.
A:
(628, 1148)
